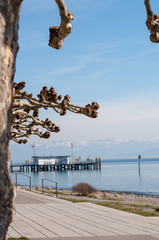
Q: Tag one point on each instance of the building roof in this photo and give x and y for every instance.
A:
(48, 157)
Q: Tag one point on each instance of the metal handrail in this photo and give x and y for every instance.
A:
(16, 179)
(49, 181)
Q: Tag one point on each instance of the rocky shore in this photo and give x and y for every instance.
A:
(130, 198)
(106, 196)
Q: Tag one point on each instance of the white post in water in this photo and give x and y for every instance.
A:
(139, 157)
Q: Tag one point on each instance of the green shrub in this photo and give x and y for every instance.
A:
(83, 189)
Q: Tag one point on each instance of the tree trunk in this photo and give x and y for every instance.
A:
(9, 24)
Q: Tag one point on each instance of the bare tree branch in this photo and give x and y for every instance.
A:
(26, 111)
(58, 34)
(152, 23)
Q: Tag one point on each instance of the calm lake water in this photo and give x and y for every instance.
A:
(115, 175)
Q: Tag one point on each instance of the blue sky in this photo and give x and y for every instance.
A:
(107, 58)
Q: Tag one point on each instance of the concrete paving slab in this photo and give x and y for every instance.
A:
(42, 217)
(97, 222)
(127, 237)
(13, 232)
(51, 215)
(27, 197)
(44, 232)
(36, 209)
(121, 217)
(100, 220)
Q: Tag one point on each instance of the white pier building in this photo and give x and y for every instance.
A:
(50, 160)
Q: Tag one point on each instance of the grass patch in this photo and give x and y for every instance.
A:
(51, 192)
(92, 196)
(112, 199)
(73, 200)
(143, 210)
(58, 193)
(21, 238)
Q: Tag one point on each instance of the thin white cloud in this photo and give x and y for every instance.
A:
(89, 58)
(61, 143)
(81, 143)
(154, 139)
(130, 110)
(120, 140)
(65, 70)
(121, 120)
(58, 73)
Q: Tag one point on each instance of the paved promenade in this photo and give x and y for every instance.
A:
(40, 217)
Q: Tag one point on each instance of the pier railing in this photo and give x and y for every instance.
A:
(49, 181)
(16, 179)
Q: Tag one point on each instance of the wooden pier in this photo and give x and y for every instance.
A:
(55, 167)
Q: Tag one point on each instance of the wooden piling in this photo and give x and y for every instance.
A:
(139, 157)
(99, 163)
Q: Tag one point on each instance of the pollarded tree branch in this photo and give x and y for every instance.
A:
(58, 34)
(24, 123)
(26, 111)
(152, 23)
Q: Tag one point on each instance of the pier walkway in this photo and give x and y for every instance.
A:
(55, 167)
(42, 217)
